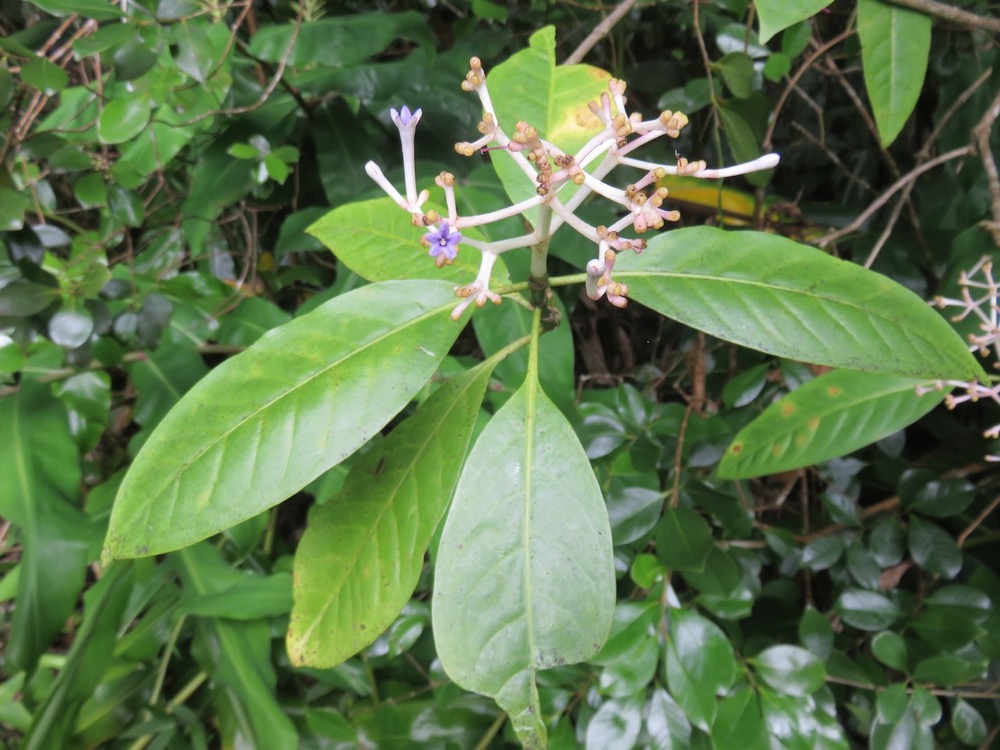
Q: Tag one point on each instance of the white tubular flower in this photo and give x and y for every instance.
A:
(406, 123)
(479, 290)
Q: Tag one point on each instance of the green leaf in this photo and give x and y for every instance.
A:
(790, 670)
(195, 53)
(927, 493)
(251, 319)
(890, 649)
(945, 628)
(780, 297)
(933, 548)
(88, 660)
(737, 71)
(944, 669)
(362, 553)
(616, 725)
(40, 495)
(830, 416)
(71, 327)
(776, 15)
(740, 723)
(237, 654)
(44, 75)
(96, 9)
(816, 633)
(666, 723)
(967, 723)
(895, 48)
(866, 610)
(495, 326)
(524, 579)
(268, 421)
(553, 99)
(252, 598)
(341, 41)
(376, 240)
(700, 664)
(20, 299)
(683, 539)
(743, 141)
(123, 119)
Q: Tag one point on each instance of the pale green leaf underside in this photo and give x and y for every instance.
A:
(778, 15)
(775, 295)
(895, 48)
(524, 578)
(363, 551)
(554, 99)
(265, 423)
(838, 412)
(377, 241)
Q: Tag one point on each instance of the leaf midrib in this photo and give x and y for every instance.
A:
(182, 468)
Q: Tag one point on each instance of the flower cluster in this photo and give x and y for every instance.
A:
(551, 170)
(979, 298)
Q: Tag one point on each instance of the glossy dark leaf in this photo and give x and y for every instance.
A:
(867, 610)
(933, 548)
(699, 665)
(683, 540)
(790, 670)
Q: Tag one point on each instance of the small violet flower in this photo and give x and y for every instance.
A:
(403, 118)
(443, 242)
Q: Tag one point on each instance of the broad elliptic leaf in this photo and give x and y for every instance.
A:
(967, 723)
(830, 416)
(889, 648)
(265, 423)
(772, 294)
(377, 241)
(866, 610)
(530, 87)
(777, 15)
(790, 670)
(39, 494)
(895, 48)
(524, 579)
(363, 551)
(683, 539)
(700, 665)
(123, 119)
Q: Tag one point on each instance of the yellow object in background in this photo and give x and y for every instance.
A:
(735, 208)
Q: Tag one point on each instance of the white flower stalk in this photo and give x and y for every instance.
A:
(980, 298)
(550, 170)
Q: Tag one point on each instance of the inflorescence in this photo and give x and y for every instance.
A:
(551, 169)
(979, 298)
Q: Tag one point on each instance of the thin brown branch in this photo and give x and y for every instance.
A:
(884, 198)
(981, 137)
(976, 523)
(952, 14)
(806, 64)
(600, 31)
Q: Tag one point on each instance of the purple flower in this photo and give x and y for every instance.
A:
(443, 241)
(404, 118)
